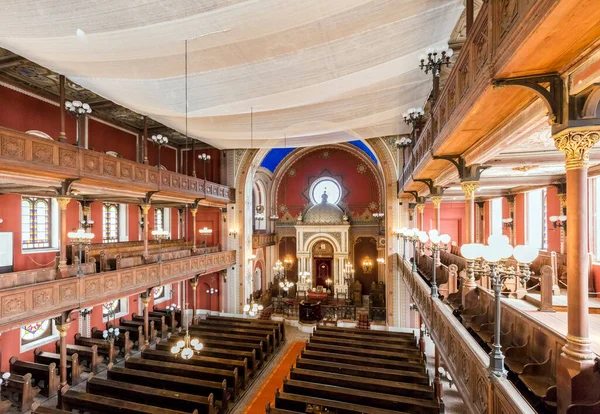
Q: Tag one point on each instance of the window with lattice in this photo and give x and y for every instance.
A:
(110, 227)
(35, 222)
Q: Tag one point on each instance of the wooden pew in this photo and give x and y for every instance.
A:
(176, 316)
(189, 371)
(83, 401)
(217, 352)
(244, 333)
(151, 396)
(169, 320)
(20, 391)
(356, 396)
(538, 378)
(204, 361)
(300, 403)
(266, 330)
(159, 323)
(262, 344)
(217, 343)
(279, 325)
(405, 389)
(367, 353)
(365, 335)
(415, 377)
(74, 369)
(87, 355)
(123, 344)
(370, 362)
(373, 333)
(49, 410)
(365, 344)
(4, 406)
(173, 383)
(136, 333)
(135, 324)
(44, 376)
(270, 410)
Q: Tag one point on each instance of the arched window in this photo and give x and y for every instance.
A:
(328, 186)
(159, 219)
(114, 309)
(37, 333)
(35, 222)
(110, 227)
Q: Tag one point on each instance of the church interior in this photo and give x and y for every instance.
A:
(326, 206)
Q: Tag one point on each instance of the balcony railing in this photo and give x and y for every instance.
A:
(263, 240)
(24, 304)
(471, 74)
(28, 154)
(464, 358)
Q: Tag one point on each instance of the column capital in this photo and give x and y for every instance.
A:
(436, 200)
(562, 198)
(145, 208)
(194, 211)
(194, 284)
(63, 202)
(145, 300)
(576, 144)
(420, 207)
(469, 188)
(63, 329)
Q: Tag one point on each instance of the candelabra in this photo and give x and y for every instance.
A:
(286, 285)
(80, 237)
(233, 233)
(402, 143)
(438, 242)
(86, 223)
(348, 274)
(160, 235)
(413, 117)
(205, 232)
(412, 235)
(495, 255)
(160, 141)
(379, 217)
(110, 333)
(303, 276)
(212, 291)
(435, 60)
(288, 263)
(380, 260)
(79, 110)
(559, 222)
(367, 265)
(508, 222)
(205, 158)
(4, 380)
(187, 347)
(253, 308)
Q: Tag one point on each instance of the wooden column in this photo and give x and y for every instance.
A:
(194, 284)
(469, 188)
(562, 198)
(421, 216)
(62, 264)
(577, 359)
(145, 298)
(437, 382)
(62, 135)
(145, 208)
(437, 201)
(63, 328)
(194, 210)
(512, 235)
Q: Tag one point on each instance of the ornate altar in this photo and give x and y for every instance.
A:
(357, 293)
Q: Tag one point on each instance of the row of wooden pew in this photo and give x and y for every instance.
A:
(358, 371)
(234, 352)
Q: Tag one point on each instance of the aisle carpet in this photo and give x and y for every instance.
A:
(266, 393)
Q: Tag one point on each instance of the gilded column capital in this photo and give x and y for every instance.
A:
(86, 210)
(576, 144)
(63, 329)
(145, 300)
(63, 202)
(145, 208)
(562, 198)
(469, 188)
(194, 210)
(420, 208)
(436, 200)
(194, 284)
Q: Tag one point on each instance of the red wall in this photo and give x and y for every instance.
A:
(213, 167)
(102, 138)
(23, 113)
(341, 165)
(452, 219)
(207, 217)
(553, 208)
(168, 156)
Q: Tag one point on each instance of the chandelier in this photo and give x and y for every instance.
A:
(78, 108)
(80, 237)
(253, 308)
(110, 333)
(413, 117)
(186, 347)
(288, 262)
(367, 265)
(435, 59)
(286, 285)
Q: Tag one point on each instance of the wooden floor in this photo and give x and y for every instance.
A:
(557, 321)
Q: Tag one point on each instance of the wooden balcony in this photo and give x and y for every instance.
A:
(263, 240)
(464, 359)
(29, 155)
(24, 304)
(506, 40)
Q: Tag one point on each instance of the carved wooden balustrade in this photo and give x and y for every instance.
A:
(28, 154)
(21, 305)
(464, 359)
(487, 46)
(263, 240)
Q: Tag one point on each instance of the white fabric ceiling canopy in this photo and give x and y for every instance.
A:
(316, 71)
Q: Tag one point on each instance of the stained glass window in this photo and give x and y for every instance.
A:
(111, 223)
(113, 306)
(159, 219)
(35, 222)
(159, 292)
(35, 331)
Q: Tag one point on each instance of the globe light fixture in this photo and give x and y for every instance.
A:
(80, 237)
(435, 59)
(187, 347)
(160, 141)
(205, 158)
(160, 235)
